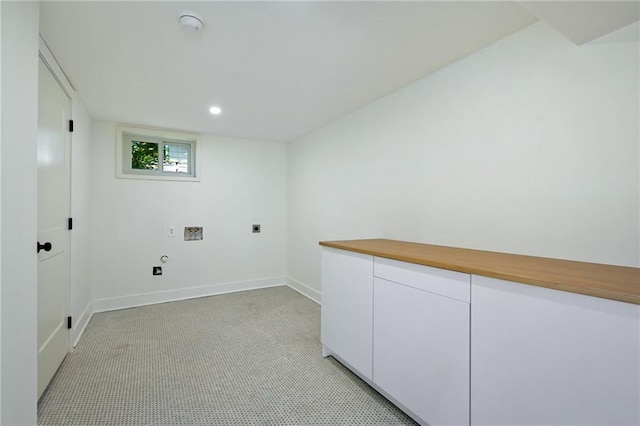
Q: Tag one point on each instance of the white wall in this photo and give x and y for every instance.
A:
(529, 146)
(18, 328)
(80, 276)
(242, 182)
(0, 217)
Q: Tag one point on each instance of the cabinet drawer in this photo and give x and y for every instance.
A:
(455, 285)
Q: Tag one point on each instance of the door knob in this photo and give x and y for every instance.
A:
(46, 246)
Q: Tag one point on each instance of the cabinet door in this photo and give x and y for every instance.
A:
(421, 352)
(347, 299)
(548, 357)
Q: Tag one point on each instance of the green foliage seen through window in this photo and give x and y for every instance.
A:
(144, 155)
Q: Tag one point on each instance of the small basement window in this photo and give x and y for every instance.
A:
(156, 154)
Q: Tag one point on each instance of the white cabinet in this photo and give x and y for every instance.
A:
(347, 303)
(454, 349)
(421, 340)
(547, 357)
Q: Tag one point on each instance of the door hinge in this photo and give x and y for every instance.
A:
(70, 125)
(70, 224)
(69, 322)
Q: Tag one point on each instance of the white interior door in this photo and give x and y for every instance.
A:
(54, 112)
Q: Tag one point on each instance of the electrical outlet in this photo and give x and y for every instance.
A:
(171, 231)
(157, 270)
(255, 229)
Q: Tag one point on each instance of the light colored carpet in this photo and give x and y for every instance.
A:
(248, 358)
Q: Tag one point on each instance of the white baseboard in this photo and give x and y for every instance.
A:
(81, 324)
(305, 290)
(131, 301)
(134, 300)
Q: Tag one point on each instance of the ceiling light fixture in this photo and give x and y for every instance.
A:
(215, 110)
(190, 21)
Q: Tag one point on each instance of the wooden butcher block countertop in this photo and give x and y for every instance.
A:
(619, 283)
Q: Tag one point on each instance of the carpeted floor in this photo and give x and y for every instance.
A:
(249, 358)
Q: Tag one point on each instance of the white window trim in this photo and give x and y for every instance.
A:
(123, 135)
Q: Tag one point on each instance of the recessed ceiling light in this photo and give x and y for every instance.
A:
(215, 110)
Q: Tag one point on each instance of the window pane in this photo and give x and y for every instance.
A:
(144, 155)
(176, 158)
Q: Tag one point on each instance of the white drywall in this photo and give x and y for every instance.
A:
(18, 328)
(242, 183)
(81, 213)
(529, 146)
(0, 217)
